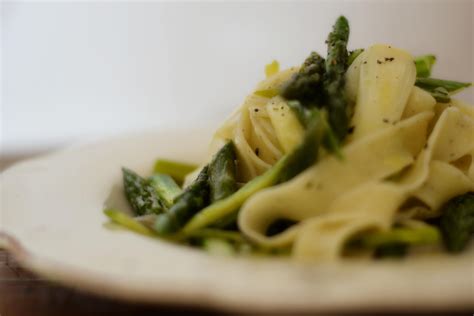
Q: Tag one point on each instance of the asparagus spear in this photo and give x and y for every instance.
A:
(424, 64)
(286, 168)
(449, 85)
(330, 140)
(193, 199)
(222, 173)
(441, 89)
(353, 55)
(334, 79)
(305, 86)
(457, 222)
(128, 222)
(166, 188)
(395, 242)
(141, 194)
(177, 170)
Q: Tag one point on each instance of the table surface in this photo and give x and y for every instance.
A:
(22, 293)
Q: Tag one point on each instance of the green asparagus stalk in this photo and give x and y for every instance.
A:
(424, 64)
(166, 188)
(441, 89)
(141, 194)
(218, 233)
(330, 141)
(395, 242)
(128, 222)
(194, 198)
(353, 55)
(222, 173)
(457, 222)
(218, 247)
(425, 234)
(440, 94)
(449, 85)
(177, 170)
(334, 79)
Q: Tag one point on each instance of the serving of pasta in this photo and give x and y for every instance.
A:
(359, 154)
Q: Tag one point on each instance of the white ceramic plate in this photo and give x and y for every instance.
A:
(52, 222)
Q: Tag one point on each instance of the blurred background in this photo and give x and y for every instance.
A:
(78, 71)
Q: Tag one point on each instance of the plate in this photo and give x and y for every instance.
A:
(52, 222)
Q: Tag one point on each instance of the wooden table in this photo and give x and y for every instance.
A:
(24, 294)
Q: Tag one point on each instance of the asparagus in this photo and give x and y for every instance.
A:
(449, 85)
(128, 222)
(193, 199)
(177, 170)
(166, 188)
(395, 242)
(215, 182)
(334, 78)
(305, 86)
(392, 250)
(222, 173)
(353, 55)
(218, 233)
(286, 168)
(457, 222)
(424, 64)
(218, 247)
(141, 194)
(330, 141)
(440, 94)
(441, 89)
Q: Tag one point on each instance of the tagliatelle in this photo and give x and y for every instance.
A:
(333, 200)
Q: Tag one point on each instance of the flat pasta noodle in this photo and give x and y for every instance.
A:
(331, 201)
(444, 182)
(367, 207)
(385, 77)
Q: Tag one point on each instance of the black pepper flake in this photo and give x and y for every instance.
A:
(389, 58)
(282, 107)
(308, 185)
(365, 62)
(385, 120)
(257, 151)
(351, 129)
(378, 62)
(256, 110)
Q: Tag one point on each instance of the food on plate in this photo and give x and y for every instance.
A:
(358, 154)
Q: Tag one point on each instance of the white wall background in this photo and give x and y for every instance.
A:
(72, 71)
